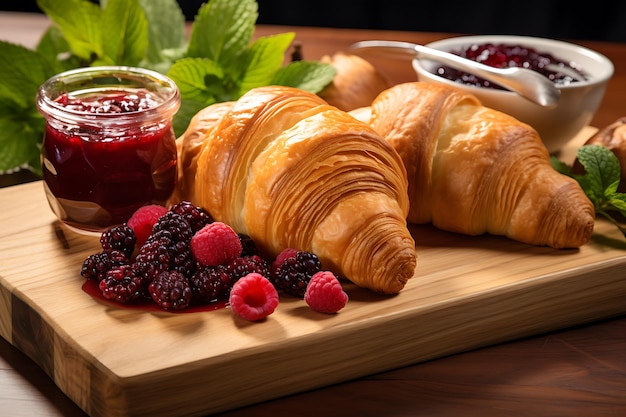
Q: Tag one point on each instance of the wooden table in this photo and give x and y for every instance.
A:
(575, 372)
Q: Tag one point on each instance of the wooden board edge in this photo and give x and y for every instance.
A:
(225, 383)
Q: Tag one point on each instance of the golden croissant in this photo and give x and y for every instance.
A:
(356, 84)
(289, 170)
(475, 170)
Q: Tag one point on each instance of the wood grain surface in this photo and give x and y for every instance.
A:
(468, 292)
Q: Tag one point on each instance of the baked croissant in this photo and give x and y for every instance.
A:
(475, 170)
(289, 170)
(356, 83)
(189, 146)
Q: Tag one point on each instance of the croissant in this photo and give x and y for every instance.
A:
(475, 170)
(289, 170)
(189, 145)
(356, 83)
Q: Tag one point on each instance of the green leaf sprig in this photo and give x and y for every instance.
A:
(219, 62)
(600, 181)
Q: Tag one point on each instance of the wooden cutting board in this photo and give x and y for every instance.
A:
(468, 292)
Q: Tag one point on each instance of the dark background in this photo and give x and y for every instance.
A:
(603, 20)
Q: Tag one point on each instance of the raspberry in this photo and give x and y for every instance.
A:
(211, 283)
(324, 293)
(292, 270)
(216, 243)
(143, 219)
(242, 266)
(170, 290)
(253, 297)
(121, 284)
(286, 253)
(121, 238)
(197, 217)
(96, 265)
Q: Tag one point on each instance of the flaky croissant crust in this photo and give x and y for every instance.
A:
(356, 83)
(289, 170)
(475, 170)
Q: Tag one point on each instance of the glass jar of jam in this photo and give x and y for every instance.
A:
(109, 146)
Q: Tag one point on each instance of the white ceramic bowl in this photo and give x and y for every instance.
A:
(578, 102)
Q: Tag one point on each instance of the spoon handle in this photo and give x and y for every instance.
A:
(411, 51)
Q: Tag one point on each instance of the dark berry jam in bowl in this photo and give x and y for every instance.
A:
(579, 98)
(109, 146)
(503, 55)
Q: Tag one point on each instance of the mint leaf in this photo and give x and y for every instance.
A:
(199, 79)
(166, 33)
(263, 59)
(20, 135)
(56, 50)
(560, 166)
(201, 83)
(618, 201)
(188, 109)
(80, 21)
(310, 76)
(601, 180)
(22, 71)
(125, 39)
(602, 170)
(222, 30)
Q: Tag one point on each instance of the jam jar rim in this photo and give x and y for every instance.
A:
(164, 109)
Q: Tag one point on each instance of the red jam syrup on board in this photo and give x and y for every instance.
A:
(96, 177)
(90, 287)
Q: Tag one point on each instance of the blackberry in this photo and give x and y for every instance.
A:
(122, 284)
(242, 266)
(167, 248)
(96, 265)
(153, 258)
(182, 259)
(120, 237)
(247, 244)
(197, 217)
(172, 225)
(211, 283)
(293, 274)
(170, 290)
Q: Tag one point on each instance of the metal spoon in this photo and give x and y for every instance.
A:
(525, 82)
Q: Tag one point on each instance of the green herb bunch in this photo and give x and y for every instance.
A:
(600, 181)
(218, 62)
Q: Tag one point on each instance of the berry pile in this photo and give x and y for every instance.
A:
(180, 257)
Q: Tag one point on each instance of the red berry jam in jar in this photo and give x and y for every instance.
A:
(506, 56)
(109, 146)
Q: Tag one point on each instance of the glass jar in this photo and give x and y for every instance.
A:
(109, 145)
